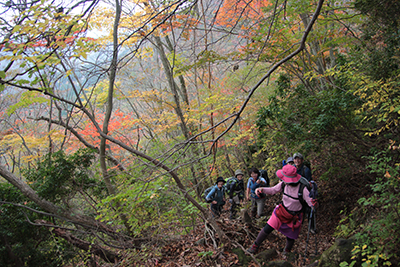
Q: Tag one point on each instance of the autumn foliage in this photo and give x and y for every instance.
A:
(168, 96)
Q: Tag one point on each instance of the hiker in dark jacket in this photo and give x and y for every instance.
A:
(302, 169)
(236, 194)
(217, 197)
(287, 217)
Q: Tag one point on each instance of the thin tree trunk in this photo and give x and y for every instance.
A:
(172, 85)
(110, 99)
(183, 89)
(109, 109)
(183, 92)
(315, 50)
(209, 79)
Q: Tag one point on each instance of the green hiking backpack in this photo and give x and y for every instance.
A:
(230, 183)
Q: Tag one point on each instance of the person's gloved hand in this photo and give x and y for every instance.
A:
(262, 195)
(257, 192)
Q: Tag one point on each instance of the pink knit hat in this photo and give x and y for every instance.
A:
(288, 174)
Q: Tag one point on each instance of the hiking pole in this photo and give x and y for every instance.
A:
(315, 231)
(308, 234)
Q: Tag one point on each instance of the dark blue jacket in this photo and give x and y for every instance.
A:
(305, 172)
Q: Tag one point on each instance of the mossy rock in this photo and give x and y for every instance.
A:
(242, 257)
(267, 255)
(337, 253)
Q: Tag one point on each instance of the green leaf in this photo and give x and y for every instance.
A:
(2, 75)
(27, 99)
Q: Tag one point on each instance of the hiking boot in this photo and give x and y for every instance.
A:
(253, 249)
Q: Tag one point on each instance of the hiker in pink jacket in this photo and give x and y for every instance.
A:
(287, 217)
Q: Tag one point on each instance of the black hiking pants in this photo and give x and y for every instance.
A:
(216, 210)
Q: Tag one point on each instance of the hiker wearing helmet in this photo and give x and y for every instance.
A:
(217, 197)
(302, 169)
(287, 217)
(236, 193)
(257, 201)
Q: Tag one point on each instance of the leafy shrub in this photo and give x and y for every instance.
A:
(22, 243)
(58, 177)
(377, 239)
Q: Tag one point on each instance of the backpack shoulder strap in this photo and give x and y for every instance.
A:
(223, 190)
(300, 193)
(283, 191)
(305, 182)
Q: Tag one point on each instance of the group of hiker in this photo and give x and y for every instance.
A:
(298, 192)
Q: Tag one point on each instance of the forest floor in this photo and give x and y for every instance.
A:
(197, 248)
(200, 246)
